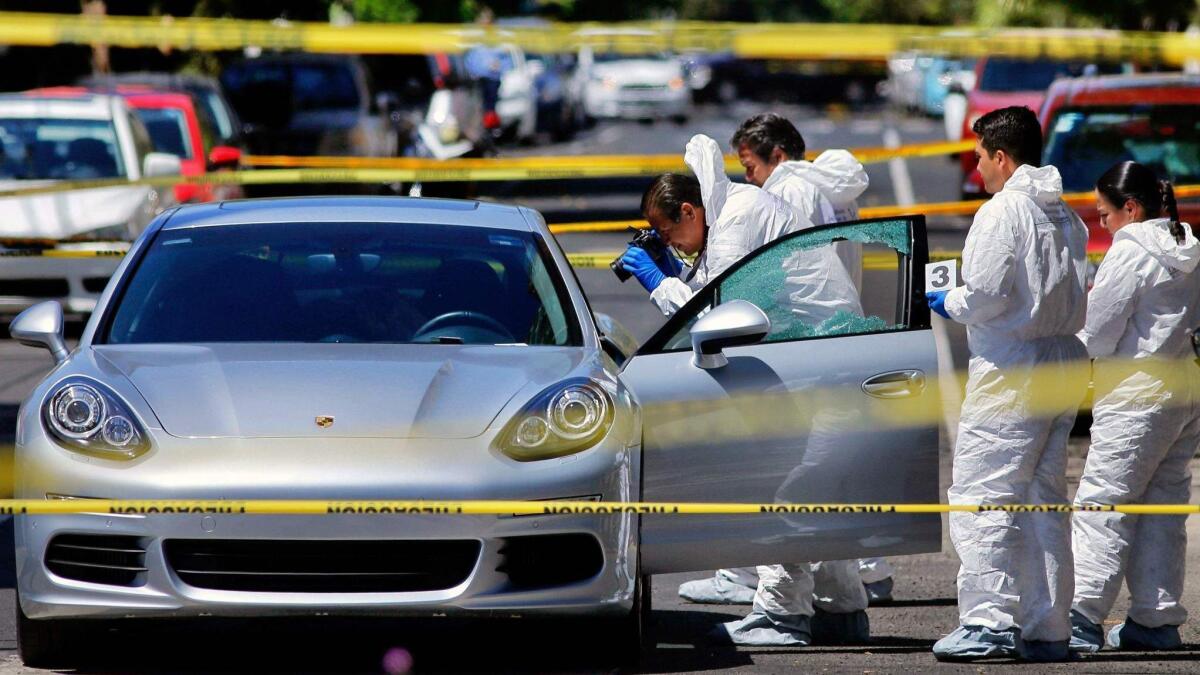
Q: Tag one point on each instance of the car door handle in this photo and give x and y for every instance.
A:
(895, 384)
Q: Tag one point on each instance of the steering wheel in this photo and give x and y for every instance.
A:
(461, 316)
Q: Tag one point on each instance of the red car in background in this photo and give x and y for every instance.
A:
(177, 126)
(1001, 82)
(1091, 123)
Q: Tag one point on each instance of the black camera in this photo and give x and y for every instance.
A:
(645, 239)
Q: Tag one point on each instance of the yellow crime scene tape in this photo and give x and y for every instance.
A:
(579, 166)
(282, 170)
(811, 41)
(527, 508)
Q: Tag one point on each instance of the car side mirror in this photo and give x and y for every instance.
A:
(732, 324)
(158, 164)
(41, 326)
(224, 157)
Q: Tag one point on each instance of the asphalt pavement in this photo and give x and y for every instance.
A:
(902, 632)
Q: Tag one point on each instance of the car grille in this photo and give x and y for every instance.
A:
(35, 288)
(644, 87)
(548, 560)
(114, 560)
(321, 566)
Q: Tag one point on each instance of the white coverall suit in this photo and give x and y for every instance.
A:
(789, 589)
(839, 180)
(1146, 424)
(1023, 301)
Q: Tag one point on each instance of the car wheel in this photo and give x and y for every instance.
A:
(47, 643)
(626, 638)
(680, 119)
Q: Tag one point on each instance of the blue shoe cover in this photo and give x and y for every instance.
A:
(1086, 637)
(1042, 651)
(972, 643)
(879, 592)
(831, 628)
(760, 630)
(1133, 636)
(716, 590)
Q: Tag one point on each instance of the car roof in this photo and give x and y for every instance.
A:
(57, 103)
(1151, 88)
(350, 210)
(149, 98)
(153, 79)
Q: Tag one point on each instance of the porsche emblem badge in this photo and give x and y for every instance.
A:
(324, 421)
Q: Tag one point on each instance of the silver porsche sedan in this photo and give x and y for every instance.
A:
(387, 348)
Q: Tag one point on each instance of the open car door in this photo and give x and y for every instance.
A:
(824, 408)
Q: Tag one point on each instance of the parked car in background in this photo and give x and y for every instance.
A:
(207, 92)
(176, 125)
(714, 76)
(313, 104)
(940, 76)
(1001, 82)
(631, 85)
(51, 137)
(1091, 123)
(446, 351)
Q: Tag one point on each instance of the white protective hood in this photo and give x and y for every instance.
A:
(1043, 184)
(836, 173)
(1155, 237)
(61, 215)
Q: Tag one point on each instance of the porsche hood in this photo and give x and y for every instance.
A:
(334, 390)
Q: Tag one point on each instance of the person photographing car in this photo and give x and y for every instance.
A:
(720, 222)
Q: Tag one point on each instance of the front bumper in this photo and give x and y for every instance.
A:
(161, 590)
(315, 469)
(641, 104)
(75, 282)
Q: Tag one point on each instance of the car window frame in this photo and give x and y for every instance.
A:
(917, 313)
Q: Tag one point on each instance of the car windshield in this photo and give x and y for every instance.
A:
(257, 88)
(345, 282)
(218, 114)
(1003, 74)
(1083, 143)
(168, 130)
(59, 149)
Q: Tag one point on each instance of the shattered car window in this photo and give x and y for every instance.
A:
(806, 283)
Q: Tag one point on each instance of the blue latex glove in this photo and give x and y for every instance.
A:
(937, 302)
(638, 262)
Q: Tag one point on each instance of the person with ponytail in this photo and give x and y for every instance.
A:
(1146, 416)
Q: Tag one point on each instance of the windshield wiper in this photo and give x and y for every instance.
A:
(449, 340)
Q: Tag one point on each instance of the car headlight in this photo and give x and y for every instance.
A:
(85, 416)
(676, 83)
(608, 82)
(569, 417)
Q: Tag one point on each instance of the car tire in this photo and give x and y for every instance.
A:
(626, 639)
(679, 120)
(47, 643)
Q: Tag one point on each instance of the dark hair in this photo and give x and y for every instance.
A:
(669, 192)
(763, 133)
(1015, 130)
(1130, 180)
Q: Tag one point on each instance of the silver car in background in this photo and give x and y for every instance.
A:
(390, 348)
